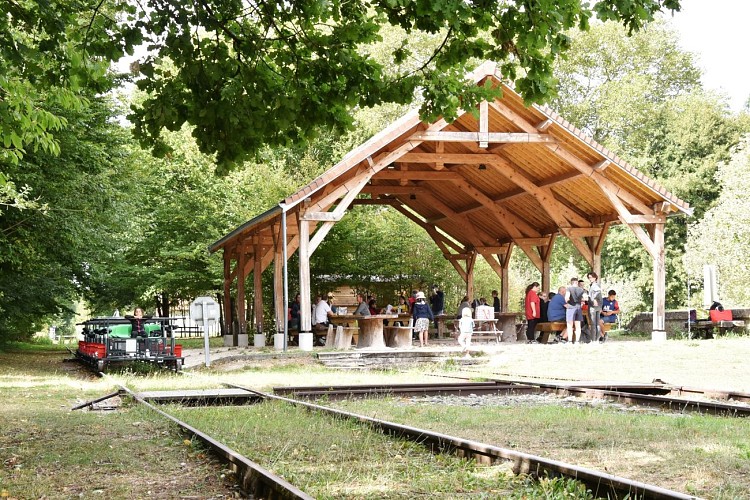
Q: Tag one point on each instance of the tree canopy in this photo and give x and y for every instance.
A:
(273, 72)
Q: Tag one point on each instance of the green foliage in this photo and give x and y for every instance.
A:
(47, 257)
(723, 235)
(277, 73)
(641, 97)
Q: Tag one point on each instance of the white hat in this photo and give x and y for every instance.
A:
(420, 295)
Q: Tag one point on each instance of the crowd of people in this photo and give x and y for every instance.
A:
(415, 304)
(584, 310)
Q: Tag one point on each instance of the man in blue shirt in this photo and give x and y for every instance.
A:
(556, 308)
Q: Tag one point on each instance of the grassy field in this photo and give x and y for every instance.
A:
(47, 451)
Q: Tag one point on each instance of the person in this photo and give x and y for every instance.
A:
(533, 311)
(437, 301)
(610, 310)
(322, 313)
(412, 299)
(330, 303)
(372, 304)
(573, 314)
(362, 308)
(556, 306)
(463, 305)
(495, 302)
(422, 314)
(465, 330)
(401, 307)
(595, 304)
(543, 305)
(294, 310)
(138, 323)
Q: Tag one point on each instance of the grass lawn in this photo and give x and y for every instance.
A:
(48, 451)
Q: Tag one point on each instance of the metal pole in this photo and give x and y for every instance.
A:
(205, 332)
(285, 279)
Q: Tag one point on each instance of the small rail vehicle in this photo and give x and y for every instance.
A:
(111, 340)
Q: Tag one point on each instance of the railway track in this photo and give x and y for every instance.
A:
(655, 395)
(262, 483)
(601, 484)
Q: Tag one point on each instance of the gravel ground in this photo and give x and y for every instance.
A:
(529, 400)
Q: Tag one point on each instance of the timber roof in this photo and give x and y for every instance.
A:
(504, 175)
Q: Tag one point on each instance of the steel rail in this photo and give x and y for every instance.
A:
(675, 390)
(633, 395)
(97, 400)
(654, 395)
(251, 476)
(675, 404)
(456, 389)
(601, 484)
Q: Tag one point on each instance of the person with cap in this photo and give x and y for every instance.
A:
(422, 314)
(437, 301)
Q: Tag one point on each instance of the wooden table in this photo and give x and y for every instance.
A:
(506, 321)
(370, 328)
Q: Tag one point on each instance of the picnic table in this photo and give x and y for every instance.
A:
(370, 328)
(507, 324)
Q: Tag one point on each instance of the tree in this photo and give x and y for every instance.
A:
(246, 75)
(641, 97)
(47, 258)
(723, 235)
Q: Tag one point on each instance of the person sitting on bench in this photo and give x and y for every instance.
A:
(610, 310)
(556, 307)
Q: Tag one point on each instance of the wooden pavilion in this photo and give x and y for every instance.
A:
(507, 176)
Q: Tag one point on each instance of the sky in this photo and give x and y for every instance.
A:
(717, 32)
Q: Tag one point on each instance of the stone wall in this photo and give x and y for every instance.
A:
(675, 320)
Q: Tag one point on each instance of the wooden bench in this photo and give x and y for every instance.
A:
(341, 337)
(486, 329)
(549, 327)
(559, 327)
(399, 336)
(707, 327)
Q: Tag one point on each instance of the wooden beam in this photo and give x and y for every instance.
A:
(543, 126)
(493, 137)
(417, 175)
(493, 249)
(454, 158)
(321, 216)
(484, 124)
(381, 189)
(439, 149)
(646, 219)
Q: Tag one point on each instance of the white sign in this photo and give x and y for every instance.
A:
(211, 308)
(203, 310)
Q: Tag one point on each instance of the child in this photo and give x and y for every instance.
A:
(422, 315)
(465, 329)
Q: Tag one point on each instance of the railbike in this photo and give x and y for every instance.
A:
(110, 340)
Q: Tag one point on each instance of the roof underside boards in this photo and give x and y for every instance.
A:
(531, 175)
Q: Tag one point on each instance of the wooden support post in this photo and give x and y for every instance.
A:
(546, 253)
(505, 289)
(660, 278)
(505, 280)
(304, 277)
(241, 295)
(278, 286)
(471, 259)
(228, 297)
(258, 290)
